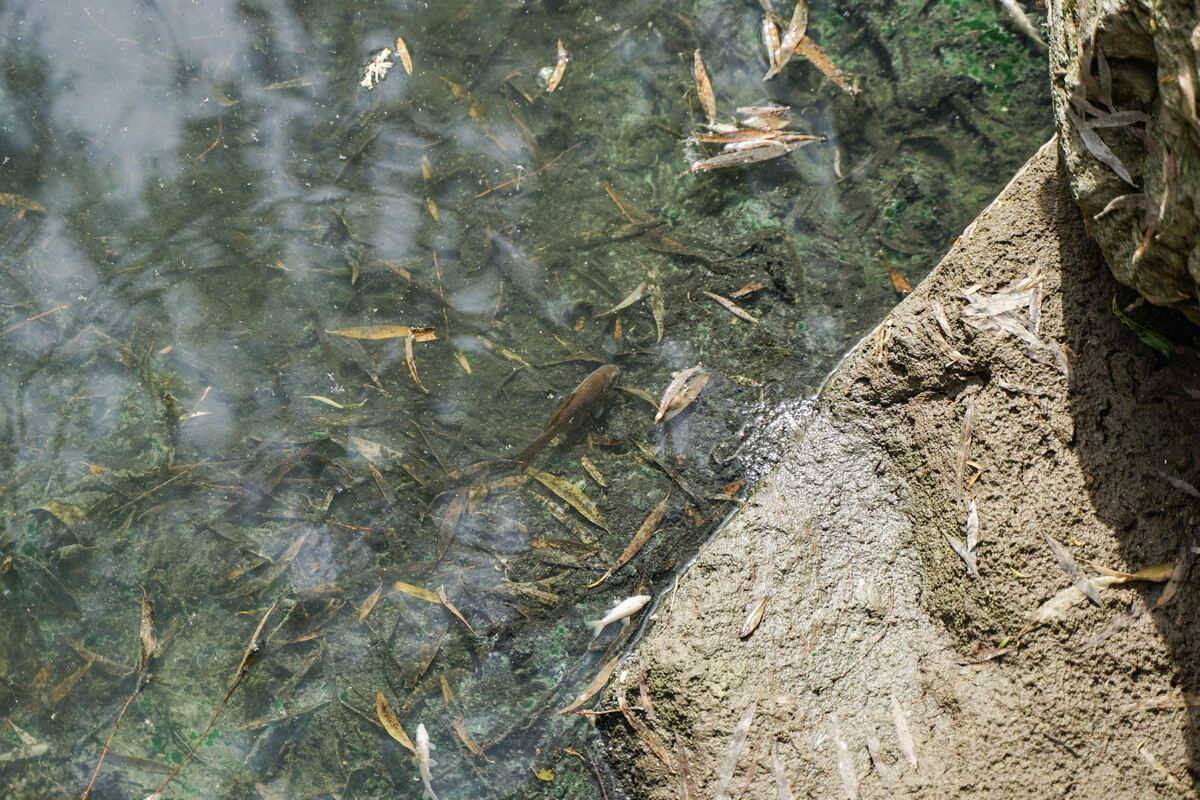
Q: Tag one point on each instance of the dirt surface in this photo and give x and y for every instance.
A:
(872, 613)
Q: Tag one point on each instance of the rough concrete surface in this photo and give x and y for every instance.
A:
(871, 610)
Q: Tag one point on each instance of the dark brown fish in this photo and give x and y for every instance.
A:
(588, 398)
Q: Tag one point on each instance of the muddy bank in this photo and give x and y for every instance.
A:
(872, 613)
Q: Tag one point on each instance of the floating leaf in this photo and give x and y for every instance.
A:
(386, 332)
(405, 58)
(417, 592)
(1156, 340)
(673, 389)
(560, 67)
(544, 774)
(808, 49)
(686, 397)
(597, 683)
(390, 723)
(704, 88)
(570, 493)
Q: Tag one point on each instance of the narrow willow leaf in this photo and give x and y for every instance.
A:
(673, 389)
(1097, 147)
(417, 592)
(1156, 340)
(731, 306)
(1072, 569)
(386, 332)
(571, 494)
(147, 637)
(632, 298)
(902, 734)
(405, 57)
(390, 723)
(704, 88)
(686, 397)
(596, 685)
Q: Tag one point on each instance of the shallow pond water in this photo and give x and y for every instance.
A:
(211, 232)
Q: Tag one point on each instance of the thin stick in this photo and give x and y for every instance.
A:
(88, 791)
(530, 175)
(253, 650)
(212, 146)
(44, 313)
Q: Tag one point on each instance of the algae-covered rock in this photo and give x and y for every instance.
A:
(1124, 82)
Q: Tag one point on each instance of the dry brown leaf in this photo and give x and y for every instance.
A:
(673, 389)
(374, 332)
(808, 49)
(560, 67)
(770, 37)
(687, 786)
(1158, 573)
(639, 393)
(1097, 147)
(796, 30)
(704, 88)
(686, 397)
(1179, 574)
(731, 306)
(749, 288)
(405, 58)
(597, 683)
(390, 723)
(649, 526)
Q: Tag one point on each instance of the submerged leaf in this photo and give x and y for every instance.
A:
(686, 397)
(386, 332)
(71, 516)
(570, 493)
(731, 306)
(704, 88)
(148, 638)
(390, 723)
(417, 592)
(594, 686)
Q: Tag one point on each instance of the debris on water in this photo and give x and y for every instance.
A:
(596, 684)
(376, 69)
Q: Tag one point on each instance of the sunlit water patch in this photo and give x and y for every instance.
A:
(272, 341)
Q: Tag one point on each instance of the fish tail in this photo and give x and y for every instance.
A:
(597, 626)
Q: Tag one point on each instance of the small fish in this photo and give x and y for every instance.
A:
(424, 762)
(623, 609)
(1023, 23)
(588, 398)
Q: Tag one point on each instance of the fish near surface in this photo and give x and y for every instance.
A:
(586, 400)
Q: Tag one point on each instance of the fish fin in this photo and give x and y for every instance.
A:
(597, 625)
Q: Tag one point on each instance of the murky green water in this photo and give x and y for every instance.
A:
(198, 195)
